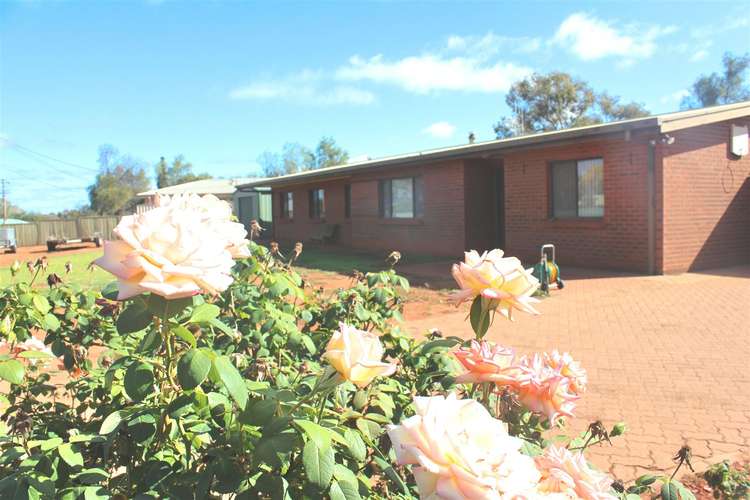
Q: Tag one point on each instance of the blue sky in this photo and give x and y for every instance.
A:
(221, 82)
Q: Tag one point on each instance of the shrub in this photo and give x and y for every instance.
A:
(270, 388)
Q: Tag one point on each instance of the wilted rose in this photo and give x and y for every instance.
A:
(485, 362)
(181, 247)
(255, 229)
(497, 278)
(357, 355)
(567, 472)
(53, 279)
(461, 451)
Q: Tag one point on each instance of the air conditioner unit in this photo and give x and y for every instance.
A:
(739, 140)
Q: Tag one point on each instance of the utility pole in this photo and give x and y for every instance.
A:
(3, 182)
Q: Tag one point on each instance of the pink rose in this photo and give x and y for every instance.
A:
(567, 472)
(461, 451)
(543, 389)
(498, 278)
(180, 248)
(564, 364)
(357, 355)
(485, 362)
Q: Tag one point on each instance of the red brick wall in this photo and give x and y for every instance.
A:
(439, 232)
(706, 200)
(619, 240)
(301, 227)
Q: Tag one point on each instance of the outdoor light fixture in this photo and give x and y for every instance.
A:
(667, 139)
(664, 139)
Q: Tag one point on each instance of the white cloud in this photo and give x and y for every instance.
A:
(675, 97)
(440, 130)
(306, 87)
(490, 44)
(699, 55)
(4, 140)
(591, 38)
(433, 72)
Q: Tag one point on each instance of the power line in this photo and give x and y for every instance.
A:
(57, 168)
(47, 183)
(18, 147)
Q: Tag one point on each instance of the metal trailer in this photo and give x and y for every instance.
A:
(8, 239)
(54, 242)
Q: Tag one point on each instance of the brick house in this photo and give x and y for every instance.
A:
(660, 194)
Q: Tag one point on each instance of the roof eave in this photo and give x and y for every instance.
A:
(467, 151)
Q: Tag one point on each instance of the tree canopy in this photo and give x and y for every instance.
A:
(179, 172)
(725, 88)
(558, 100)
(295, 157)
(120, 178)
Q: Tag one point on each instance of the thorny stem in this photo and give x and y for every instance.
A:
(168, 339)
(322, 406)
(588, 443)
(39, 268)
(385, 459)
(486, 394)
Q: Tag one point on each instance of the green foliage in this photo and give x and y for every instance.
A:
(557, 100)
(179, 172)
(728, 481)
(207, 396)
(297, 158)
(728, 87)
(119, 179)
(227, 395)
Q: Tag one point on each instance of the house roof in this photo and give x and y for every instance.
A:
(663, 123)
(203, 186)
(9, 221)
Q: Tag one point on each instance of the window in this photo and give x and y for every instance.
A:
(401, 198)
(348, 201)
(317, 204)
(578, 188)
(287, 205)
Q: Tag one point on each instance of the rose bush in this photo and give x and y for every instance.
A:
(192, 377)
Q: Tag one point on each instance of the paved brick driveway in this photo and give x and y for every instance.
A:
(669, 355)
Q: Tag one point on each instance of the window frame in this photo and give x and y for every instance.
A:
(551, 190)
(286, 200)
(315, 210)
(417, 198)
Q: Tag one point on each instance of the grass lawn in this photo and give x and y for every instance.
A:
(80, 274)
(344, 261)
